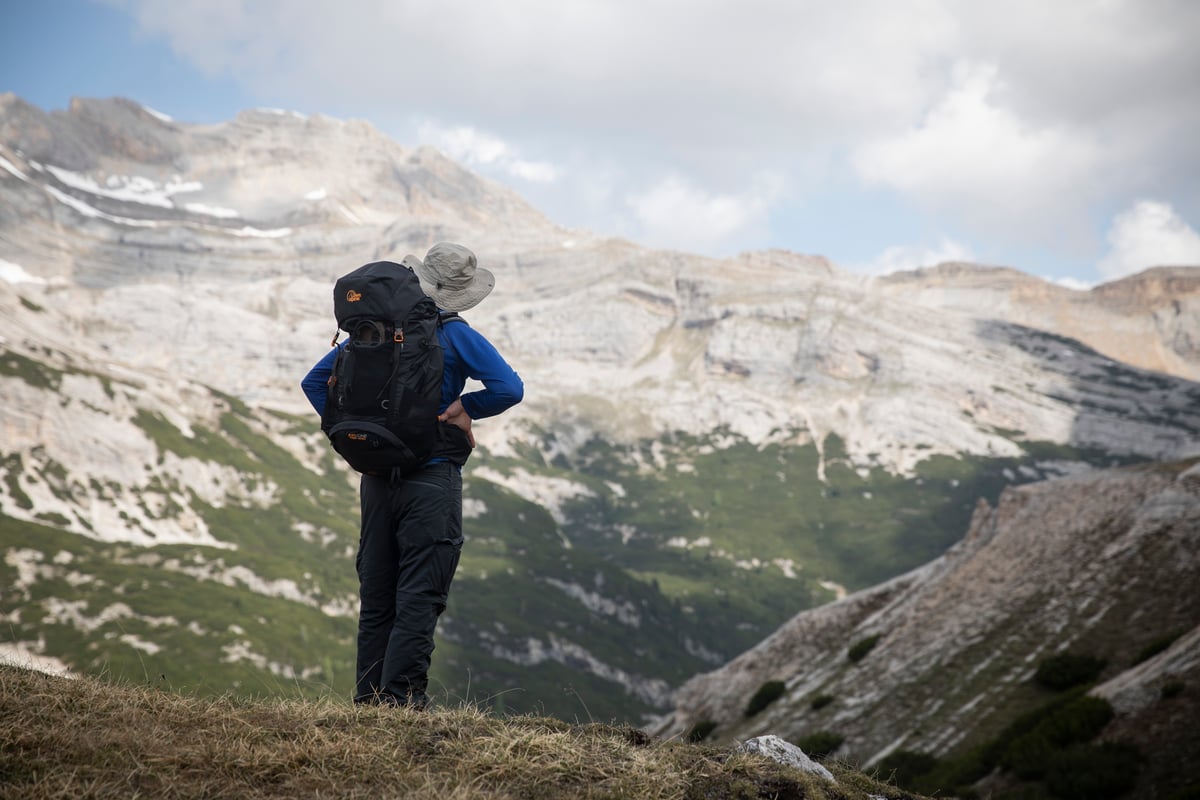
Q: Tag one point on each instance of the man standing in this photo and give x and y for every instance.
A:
(411, 531)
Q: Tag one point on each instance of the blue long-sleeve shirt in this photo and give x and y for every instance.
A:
(466, 354)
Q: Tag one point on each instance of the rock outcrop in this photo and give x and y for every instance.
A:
(1103, 564)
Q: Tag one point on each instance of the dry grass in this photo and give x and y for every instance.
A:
(62, 738)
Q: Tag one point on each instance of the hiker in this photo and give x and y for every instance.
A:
(411, 528)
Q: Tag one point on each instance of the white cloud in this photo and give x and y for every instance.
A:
(979, 159)
(1150, 234)
(1017, 120)
(467, 144)
(674, 213)
(533, 171)
(1073, 283)
(909, 257)
(475, 148)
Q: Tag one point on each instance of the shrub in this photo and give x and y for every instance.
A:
(1027, 757)
(700, 731)
(820, 701)
(1087, 772)
(1155, 647)
(1171, 689)
(1066, 670)
(768, 693)
(904, 767)
(1031, 753)
(954, 775)
(861, 648)
(820, 745)
(1030, 747)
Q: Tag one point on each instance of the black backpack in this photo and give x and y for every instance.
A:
(386, 384)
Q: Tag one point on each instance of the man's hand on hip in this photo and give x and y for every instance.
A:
(456, 415)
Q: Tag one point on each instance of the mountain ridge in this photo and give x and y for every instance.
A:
(707, 445)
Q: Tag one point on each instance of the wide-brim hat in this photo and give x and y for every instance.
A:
(451, 275)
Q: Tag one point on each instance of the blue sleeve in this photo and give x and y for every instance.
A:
(316, 382)
(477, 358)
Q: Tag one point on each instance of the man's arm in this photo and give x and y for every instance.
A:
(502, 387)
(316, 382)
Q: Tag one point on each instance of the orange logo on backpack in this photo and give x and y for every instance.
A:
(353, 296)
(358, 437)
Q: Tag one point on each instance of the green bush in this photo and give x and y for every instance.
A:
(1087, 772)
(1155, 647)
(1066, 670)
(905, 767)
(861, 648)
(700, 731)
(820, 745)
(1171, 689)
(1031, 747)
(820, 701)
(768, 693)
(954, 776)
(1030, 754)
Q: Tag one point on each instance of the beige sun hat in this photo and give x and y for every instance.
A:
(451, 275)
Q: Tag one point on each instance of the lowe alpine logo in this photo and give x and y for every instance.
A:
(358, 437)
(353, 296)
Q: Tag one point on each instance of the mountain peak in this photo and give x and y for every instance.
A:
(1152, 289)
(965, 274)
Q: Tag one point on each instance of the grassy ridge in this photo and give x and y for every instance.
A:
(86, 737)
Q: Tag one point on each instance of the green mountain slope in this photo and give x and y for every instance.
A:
(654, 562)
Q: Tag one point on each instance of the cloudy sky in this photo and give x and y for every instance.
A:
(1060, 138)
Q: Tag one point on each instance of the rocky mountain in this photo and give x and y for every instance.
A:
(707, 446)
(936, 661)
(1151, 319)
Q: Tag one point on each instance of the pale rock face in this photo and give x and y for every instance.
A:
(156, 289)
(1151, 320)
(626, 341)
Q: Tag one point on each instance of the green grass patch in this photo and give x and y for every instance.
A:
(13, 464)
(34, 373)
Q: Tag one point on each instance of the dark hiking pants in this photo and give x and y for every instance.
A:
(407, 553)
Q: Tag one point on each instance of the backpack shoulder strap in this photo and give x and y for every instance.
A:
(445, 317)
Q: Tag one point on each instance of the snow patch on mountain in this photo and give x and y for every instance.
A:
(128, 188)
